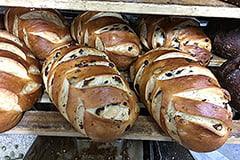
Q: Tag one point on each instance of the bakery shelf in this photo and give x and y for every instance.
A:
(209, 8)
(46, 123)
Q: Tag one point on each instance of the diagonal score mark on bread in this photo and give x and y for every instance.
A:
(51, 37)
(213, 95)
(9, 101)
(13, 67)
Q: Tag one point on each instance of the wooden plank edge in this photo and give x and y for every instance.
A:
(130, 7)
(53, 124)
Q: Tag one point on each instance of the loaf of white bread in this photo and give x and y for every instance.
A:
(20, 80)
(90, 93)
(108, 32)
(42, 30)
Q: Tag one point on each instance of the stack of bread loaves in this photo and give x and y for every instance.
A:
(42, 30)
(183, 96)
(89, 92)
(108, 32)
(20, 80)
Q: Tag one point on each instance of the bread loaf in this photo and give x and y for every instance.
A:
(89, 92)
(184, 98)
(230, 78)
(175, 32)
(42, 30)
(107, 32)
(20, 80)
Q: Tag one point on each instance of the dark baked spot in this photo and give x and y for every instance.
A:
(81, 125)
(128, 127)
(73, 56)
(185, 43)
(179, 71)
(159, 92)
(218, 127)
(86, 82)
(114, 104)
(105, 82)
(118, 126)
(81, 51)
(163, 35)
(111, 65)
(146, 62)
(188, 60)
(98, 111)
(116, 78)
(130, 48)
(85, 44)
(149, 96)
(124, 103)
(64, 105)
(111, 29)
(190, 71)
(168, 74)
(194, 55)
(204, 100)
(206, 40)
(46, 71)
(225, 105)
(56, 55)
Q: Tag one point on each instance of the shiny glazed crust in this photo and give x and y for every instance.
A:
(42, 30)
(107, 32)
(184, 98)
(20, 80)
(89, 92)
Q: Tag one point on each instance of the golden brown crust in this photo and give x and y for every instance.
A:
(184, 98)
(90, 93)
(42, 30)
(9, 119)
(20, 80)
(182, 34)
(107, 32)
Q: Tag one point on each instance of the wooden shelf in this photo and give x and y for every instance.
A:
(209, 8)
(53, 124)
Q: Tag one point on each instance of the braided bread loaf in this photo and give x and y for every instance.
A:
(175, 32)
(89, 92)
(107, 32)
(184, 98)
(20, 80)
(42, 30)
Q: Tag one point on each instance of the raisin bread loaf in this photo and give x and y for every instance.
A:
(108, 32)
(184, 98)
(89, 92)
(42, 30)
(179, 33)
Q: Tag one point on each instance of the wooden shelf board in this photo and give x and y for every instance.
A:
(210, 8)
(53, 124)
